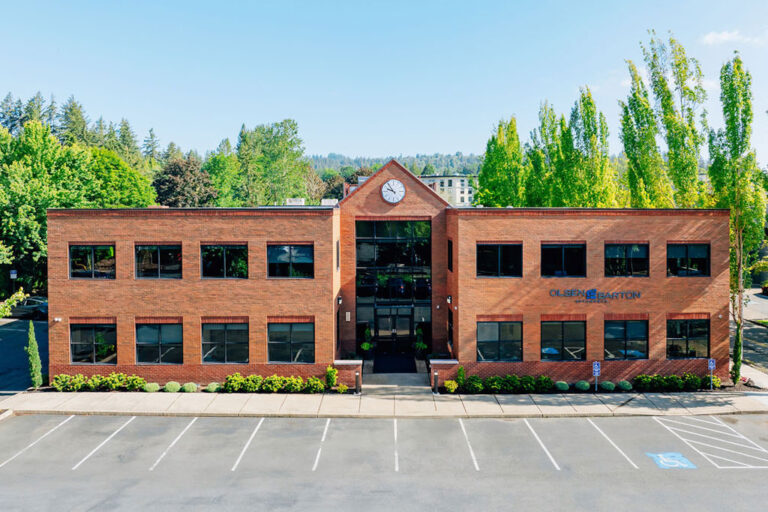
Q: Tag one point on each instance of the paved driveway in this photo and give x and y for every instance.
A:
(14, 366)
(175, 463)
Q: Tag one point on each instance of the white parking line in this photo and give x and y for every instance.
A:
(322, 440)
(471, 451)
(551, 458)
(397, 459)
(247, 444)
(613, 444)
(172, 443)
(103, 443)
(33, 443)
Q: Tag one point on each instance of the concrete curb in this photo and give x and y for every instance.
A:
(6, 414)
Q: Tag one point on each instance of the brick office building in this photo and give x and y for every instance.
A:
(196, 294)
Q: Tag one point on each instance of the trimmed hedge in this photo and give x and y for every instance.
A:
(607, 385)
(172, 387)
(672, 383)
(112, 382)
(562, 386)
(189, 387)
(582, 386)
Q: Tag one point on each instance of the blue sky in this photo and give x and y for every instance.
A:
(361, 78)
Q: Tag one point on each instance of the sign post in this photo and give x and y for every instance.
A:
(711, 366)
(596, 372)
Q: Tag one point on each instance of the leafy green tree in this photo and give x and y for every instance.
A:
(334, 187)
(116, 185)
(7, 304)
(73, 124)
(223, 168)
(737, 184)
(429, 169)
(676, 81)
(33, 353)
(182, 183)
(544, 152)
(504, 170)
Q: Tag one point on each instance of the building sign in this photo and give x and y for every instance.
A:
(593, 295)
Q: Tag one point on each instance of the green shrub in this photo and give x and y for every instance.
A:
(461, 377)
(314, 385)
(95, 383)
(607, 385)
(113, 382)
(715, 382)
(172, 387)
(134, 383)
(33, 356)
(189, 387)
(473, 384)
(493, 384)
(64, 382)
(673, 383)
(331, 377)
(691, 382)
(582, 386)
(272, 384)
(451, 386)
(624, 385)
(511, 384)
(213, 387)
(527, 384)
(293, 384)
(233, 383)
(543, 384)
(562, 386)
(252, 384)
(342, 388)
(151, 387)
(658, 382)
(642, 382)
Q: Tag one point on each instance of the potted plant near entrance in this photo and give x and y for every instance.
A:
(366, 346)
(419, 346)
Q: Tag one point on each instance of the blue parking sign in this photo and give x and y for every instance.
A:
(596, 369)
(711, 364)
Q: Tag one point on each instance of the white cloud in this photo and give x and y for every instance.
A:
(733, 36)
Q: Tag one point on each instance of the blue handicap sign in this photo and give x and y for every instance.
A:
(711, 364)
(596, 369)
(671, 460)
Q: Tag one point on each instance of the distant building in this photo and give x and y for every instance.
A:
(456, 189)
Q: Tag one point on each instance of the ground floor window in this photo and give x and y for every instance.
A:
(687, 338)
(225, 343)
(626, 339)
(291, 343)
(159, 343)
(563, 341)
(93, 343)
(499, 341)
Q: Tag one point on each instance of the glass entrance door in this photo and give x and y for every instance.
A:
(394, 330)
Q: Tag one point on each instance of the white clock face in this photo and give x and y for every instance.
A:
(393, 191)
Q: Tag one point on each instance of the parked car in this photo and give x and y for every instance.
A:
(31, 307)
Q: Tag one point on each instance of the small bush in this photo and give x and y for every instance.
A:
(562, 386)
(642, 383)
(64, 382)
(624, 385)
(252, 384)
(189, 387)
(582, 386)
(342, 388)
(134, 383)
(451, 386)
(658, 382)
(272, 384)
(213, 387)
(673, 383)
(607, 385)
(172, 387)
(473, 384)
(715, 382)
(493, 384)
(293, 384)
(527, 384)
(151, 387)
(331, 377)
(314, 385)
(543, 384)
(511, 384)
(691, 382)
(233, 383)
(461, 377)
(95, 383)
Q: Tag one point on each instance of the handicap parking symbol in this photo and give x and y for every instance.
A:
(671, 460)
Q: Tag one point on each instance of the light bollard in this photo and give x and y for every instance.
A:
(434, 384)
(357, 383)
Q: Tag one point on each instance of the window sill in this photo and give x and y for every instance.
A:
(498, 277)
(502, 361)
(287, 362)
(159, 364)
(563, 277)
(699, 275)
(94, 364)
(562, 360)
(158, 278)
(639, 277)
(233, 363)
(291, 278)
(207, 278)
(92, 278)
(686, 358)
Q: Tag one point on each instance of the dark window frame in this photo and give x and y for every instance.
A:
(290, 262)
(499, 266)
(226, 343)
(687, 246)
(562, 340)
(159, 344)
(687, 337)
(626, 340)
(290, 343)
(93, 248)
(563, 246)
(225, 247)
(92, 342)
(498, 342)
(158, 248)
(450, 255)
(626, 247)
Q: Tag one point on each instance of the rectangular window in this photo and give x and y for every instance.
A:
(687, 339)
(225, 343)
(291, 343)
(450, 255)
(225, 261)
(296, 261)
(563, 341)
(499, 260)
(159, 343)
(626, 339)
(626, 260)
(92, 261)
(158, 261)
(93, 343)
(499, 341)
(563, 260)
(338, 254)
(687, 260)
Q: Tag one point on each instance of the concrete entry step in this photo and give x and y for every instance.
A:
(395, 379)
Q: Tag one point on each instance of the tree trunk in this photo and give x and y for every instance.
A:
(737, 343)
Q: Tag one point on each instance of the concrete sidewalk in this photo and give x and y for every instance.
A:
(387, 402)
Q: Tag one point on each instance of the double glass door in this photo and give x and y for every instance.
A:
(394, 329)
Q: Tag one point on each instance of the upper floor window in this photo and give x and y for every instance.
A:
(563, 341)
(626, 339)
(225, 261)
(499, 341)
(563, 260)
(687, 259)
(687, 338)
(291, 343)
(93, 343)
(626, 260)
(296, 261)
(92, 261)
(225, 343)
(499, 260)
(159, 343)
(155, 261)
(450, 255)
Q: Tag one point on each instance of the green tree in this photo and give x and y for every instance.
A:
(182, 183)
(33, 353)
(116, 185)
(11, 114)
(429, 169)
(151, 146)
(171, 152)
(128, 146)
(544, 152)
(737, 184)
(223, 168)
(504, 170)
(73, 124)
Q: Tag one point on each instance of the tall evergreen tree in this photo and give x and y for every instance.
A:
(11, 114)
(151, 147)
(34, 108)
(171, 152)
(504, 170)
(73, 124)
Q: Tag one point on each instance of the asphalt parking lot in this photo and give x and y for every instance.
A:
(172, 463)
